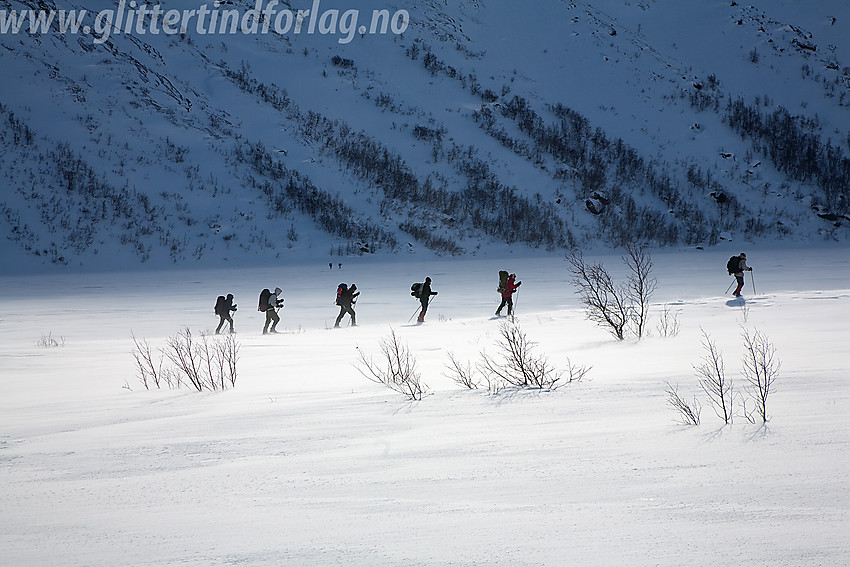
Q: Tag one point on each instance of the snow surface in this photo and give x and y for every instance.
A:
(305, 462)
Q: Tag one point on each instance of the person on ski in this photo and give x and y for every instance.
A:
(739, 273)
(345, 298)
(425, 294)
(507, 295)
(270, 303)
(223, 309)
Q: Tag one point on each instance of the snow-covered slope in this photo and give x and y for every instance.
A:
(483, 126)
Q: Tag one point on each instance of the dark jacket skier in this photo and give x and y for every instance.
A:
(223, 309)
(425, 294)
(270, 303)
(507, 294)
(739, 273)
(345, 298)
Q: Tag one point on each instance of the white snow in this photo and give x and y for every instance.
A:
(305, 462)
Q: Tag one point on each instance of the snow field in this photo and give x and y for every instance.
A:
(306, 462)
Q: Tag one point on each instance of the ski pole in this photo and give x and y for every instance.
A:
(753, 278)
(414, 314)
(730, 287)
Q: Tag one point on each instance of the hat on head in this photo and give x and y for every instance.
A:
(427, 280)
(277, 291)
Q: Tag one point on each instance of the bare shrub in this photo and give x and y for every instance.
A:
(688, 411)
(184, 354)
(398, 371)
(761, 369)
(668, 324)
(48, 341)
(462, 373)
(620, 307)
(605, 303)
(576, 372)
(519, 366)
(227, 355)
(640, 285)
(495, 384)
(205, 364)
(713, 380)
(149, 371)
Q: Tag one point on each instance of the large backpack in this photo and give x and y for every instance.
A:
(503, 281)
(265, 295)
(416, 290)
(220, 305)
(733, 265)
(340, 290)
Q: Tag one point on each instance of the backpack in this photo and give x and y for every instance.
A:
(733, 265)
(219, 305)
(265, 295)
(416, 290)
(340, 290)
(503, 281)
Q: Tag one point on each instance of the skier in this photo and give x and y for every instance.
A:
(223, 307)
(507, 294)
(270, 303)
(738, 271)
(345, 298)
(425, 294)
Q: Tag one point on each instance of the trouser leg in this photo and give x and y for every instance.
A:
(272, 319)
(738, 289)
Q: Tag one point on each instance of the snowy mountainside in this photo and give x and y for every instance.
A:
(481, 127)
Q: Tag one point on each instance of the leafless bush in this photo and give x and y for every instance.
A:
(618, 307)
(462, 373)
(516, 367)
(398, 372)
(183, 352)
(47, 341)
(576, 372)
(713, 380)
(668, 324)
(519, 366)
(640, 285)
(208, 364)
(688, 411)
(761, 369)
(149, 371)
(227, 355)
(605, 302)
(495, 384)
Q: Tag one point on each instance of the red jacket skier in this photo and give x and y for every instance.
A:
(507, 294)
